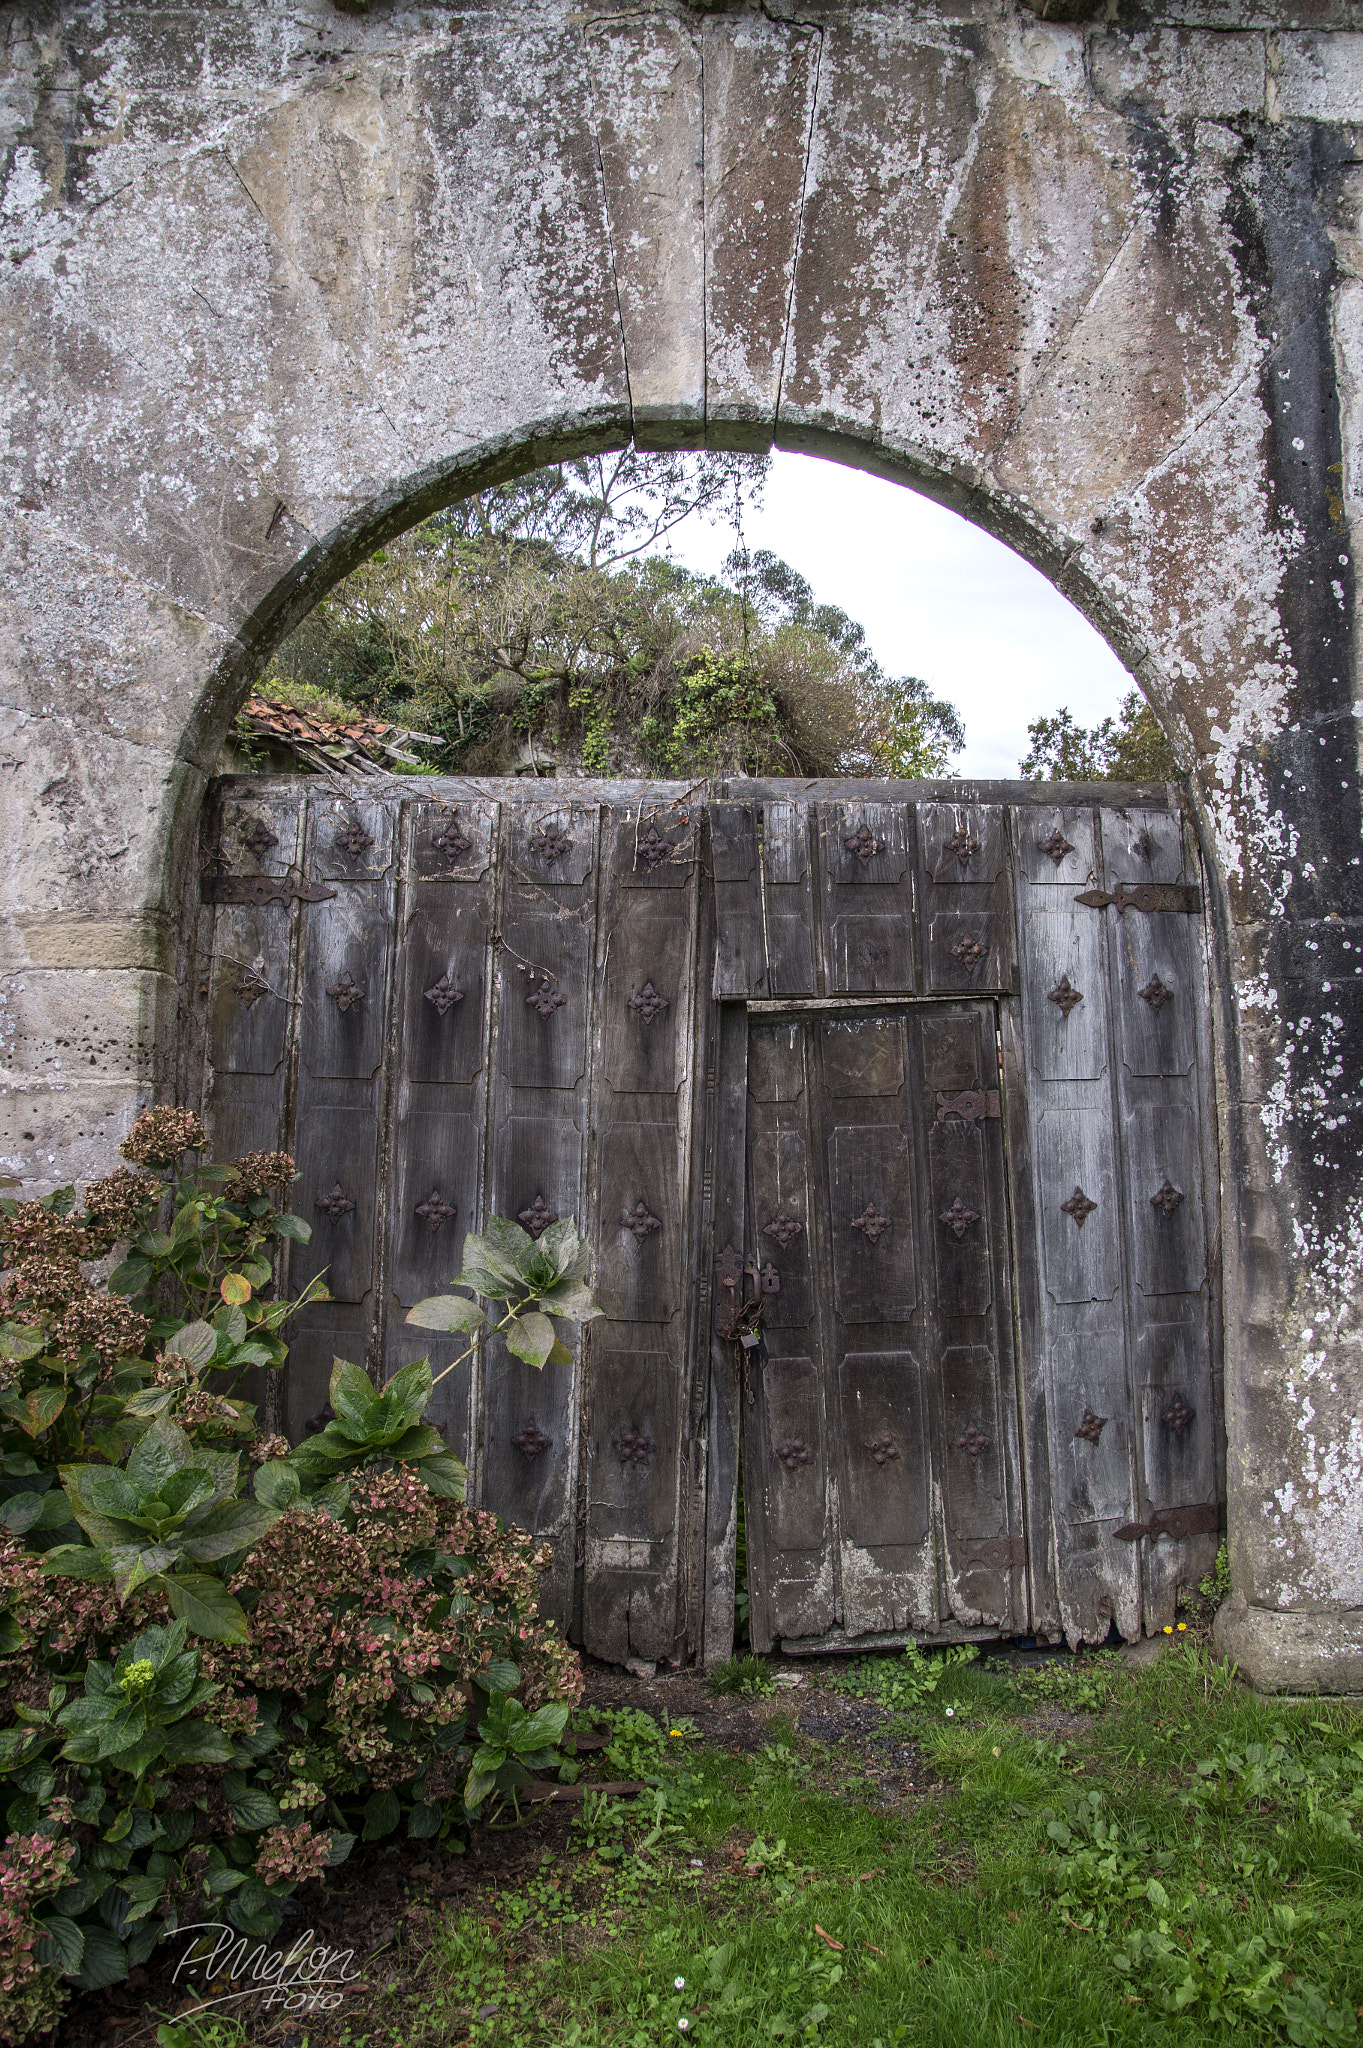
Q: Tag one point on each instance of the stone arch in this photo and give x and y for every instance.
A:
(1096, 287)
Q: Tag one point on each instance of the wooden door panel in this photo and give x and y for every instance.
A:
(632, 1446)
(974, 1439)
(349, 839)
(249, 989)
(1091, 1422)
(345, 982)
(537, 1170)
(792, 1487)
(552, 844)
(871, 1223)
(528, 1444)
(644, 995)
(1055, 847)
(862, 1057)
(740, 948)
(244, 1113)
(318, 1336)
(886, 1468)
(968, 950)
(776, 1062)
(962, 842)
(444, 969)
(438, 1157)
(959, 1210)
(1076, 1166)
(452, 842)
(871, 953)
(1155, 992)
(1066, 992)
(1164, 1185)
(1178, 1420)
(640, 1229)
(780, 1212)
(788, 899)
(336, 1145)
(544, 1000)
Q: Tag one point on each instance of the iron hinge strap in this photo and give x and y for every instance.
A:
(263, 889)
(1149, 897)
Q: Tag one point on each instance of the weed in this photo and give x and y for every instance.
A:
(748, 1676)
(1215, 1587)
(903, 1682)
(1082, 1685)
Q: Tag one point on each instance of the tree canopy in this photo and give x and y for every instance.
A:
(536, 626)
(1129, 748)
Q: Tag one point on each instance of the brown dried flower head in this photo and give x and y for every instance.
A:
(266, 1447)
(117, 1205)
(103, 1324)
(201, 1407)
(34, 1232)
(160, 1136)
(259, 1173)
(42, 1286)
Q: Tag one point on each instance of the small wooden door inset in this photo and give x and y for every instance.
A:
(880, 1457)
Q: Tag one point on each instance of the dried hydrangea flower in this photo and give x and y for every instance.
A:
(103, 1324)
(42, 1286)
(161, 1136)
(117, 1205)
(257, 1173)
(34, 1232)
(266, 1447)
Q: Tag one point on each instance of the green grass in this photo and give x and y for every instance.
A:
(1171, 1860)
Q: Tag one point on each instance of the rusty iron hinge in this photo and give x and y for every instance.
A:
(1175, 1522)
(262, 889)
(972, 1104)
(1147, 896)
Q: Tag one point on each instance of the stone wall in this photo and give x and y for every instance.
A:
(280, 278)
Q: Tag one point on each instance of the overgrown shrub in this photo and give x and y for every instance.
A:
(222, 1660)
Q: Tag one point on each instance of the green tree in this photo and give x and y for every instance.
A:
(1129, 748)
(536, 627)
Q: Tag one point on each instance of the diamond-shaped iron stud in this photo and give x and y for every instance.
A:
(1156, 994)
(864, 844)
(346, 993)
(335, 1204)
(538, 1216)
(258, 838)
(435, 1210)
(969, 951)
(973, 1441)
(783, 1227)
(449, 840)
(639, 1221)
(531, 1441)
(250, 987)
(546, 999)
(648, 1004)
(444, 995)
(958, 1218)
(881, 1448)
(1091, 1426)
(964, 845)
(1079, 1206)
(1064, 995)
(635, 1449)
(1057, 846)
(550, 844)
(1178, 1415)
(652, 847)
(871, 1223)
(1167, 1198)
(353, 840)
(794, 1453)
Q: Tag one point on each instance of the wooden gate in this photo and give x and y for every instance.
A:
(910, 1092)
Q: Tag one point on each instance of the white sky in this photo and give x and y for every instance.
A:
(939, 598)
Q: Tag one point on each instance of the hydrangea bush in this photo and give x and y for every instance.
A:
(222, 1660)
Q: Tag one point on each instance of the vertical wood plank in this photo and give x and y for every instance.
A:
(788, 899)
(868, 897)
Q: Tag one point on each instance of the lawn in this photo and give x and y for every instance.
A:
(904, 1851)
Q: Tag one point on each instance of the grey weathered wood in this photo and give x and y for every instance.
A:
(723, 1120)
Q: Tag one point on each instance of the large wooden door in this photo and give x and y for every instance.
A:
(881, 1467)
